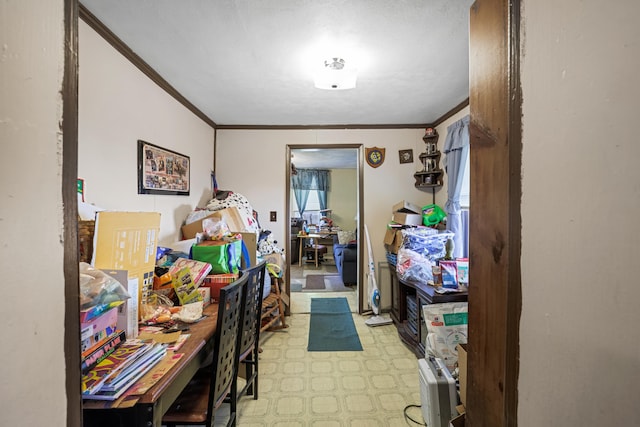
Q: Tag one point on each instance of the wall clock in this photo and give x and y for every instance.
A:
(375, 156)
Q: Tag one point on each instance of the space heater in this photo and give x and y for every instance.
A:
(437, 392)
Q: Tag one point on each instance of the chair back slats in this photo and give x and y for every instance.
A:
(250, 334)
(230, 313)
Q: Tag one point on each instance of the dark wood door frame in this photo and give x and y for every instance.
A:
(495, 224)
(69, 127)
(360, 195)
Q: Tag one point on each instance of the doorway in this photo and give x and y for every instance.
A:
(323, 205)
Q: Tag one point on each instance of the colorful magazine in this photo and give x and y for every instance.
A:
(197, 269)
(185, 287)
(124, 354)
(114, 391)
(100, 351)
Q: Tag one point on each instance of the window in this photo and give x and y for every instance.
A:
(465, 204)
(464, 192)
(312, 209)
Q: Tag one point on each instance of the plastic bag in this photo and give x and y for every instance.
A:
(447, 326)
(189, 313)
(420, 249)
(215, 228)
(411, 266)
(157, 309)
(97, 288)
(428, 242)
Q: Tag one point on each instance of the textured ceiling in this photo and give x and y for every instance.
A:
(251, 62)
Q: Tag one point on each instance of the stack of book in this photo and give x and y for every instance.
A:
(111, 377)
(97, 353)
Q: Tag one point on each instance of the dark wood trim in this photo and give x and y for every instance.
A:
(308, 127)
(514, 297)
(495, 296)
(362, 285)
(146, 69)
(69, 129)
(450, 113)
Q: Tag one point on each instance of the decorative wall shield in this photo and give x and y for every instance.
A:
(375, 156)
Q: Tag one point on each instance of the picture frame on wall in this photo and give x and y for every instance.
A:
(162, 171)
(406, 156)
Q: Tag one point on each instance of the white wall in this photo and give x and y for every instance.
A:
(31, 214)
(118, 105)
(253, 163)
(579, 335)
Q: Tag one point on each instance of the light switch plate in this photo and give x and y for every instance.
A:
(273, 216)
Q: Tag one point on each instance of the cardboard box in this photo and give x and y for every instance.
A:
(98, 328)
(393, 240)
(462, 265)
(462, 372)
(215, 282)
(128, 241)
(205, 292)
(407, 207)
(251, 241)
(230, 215)
(407, 218)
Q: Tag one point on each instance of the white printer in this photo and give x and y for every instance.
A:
(437, 392)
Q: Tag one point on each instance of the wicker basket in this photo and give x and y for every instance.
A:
(85, 240)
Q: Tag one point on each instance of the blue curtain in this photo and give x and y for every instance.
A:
(322, 180)
(456, 150)
(310, 179)
(301, 183)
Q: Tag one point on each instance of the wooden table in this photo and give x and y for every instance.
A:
(147, 410)
(317, 236)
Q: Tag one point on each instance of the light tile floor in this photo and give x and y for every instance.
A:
(324, 389)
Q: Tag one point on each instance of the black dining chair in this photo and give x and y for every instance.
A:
(212, 385)
(250, 334)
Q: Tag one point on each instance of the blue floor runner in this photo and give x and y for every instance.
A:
(331, 326)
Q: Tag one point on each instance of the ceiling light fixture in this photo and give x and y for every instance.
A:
(335, 75)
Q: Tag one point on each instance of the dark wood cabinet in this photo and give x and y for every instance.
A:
(407, 299)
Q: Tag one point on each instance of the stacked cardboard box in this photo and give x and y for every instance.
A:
(406, 213)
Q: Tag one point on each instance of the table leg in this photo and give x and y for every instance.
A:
(301, 244)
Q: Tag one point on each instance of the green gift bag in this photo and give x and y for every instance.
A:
(224, 257)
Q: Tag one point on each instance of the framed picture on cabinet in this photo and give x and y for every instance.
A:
(406, 156)
(162, 171)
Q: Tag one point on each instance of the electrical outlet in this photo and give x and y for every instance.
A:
(273, 217)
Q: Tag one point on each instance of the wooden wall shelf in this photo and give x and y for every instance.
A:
(430, 177)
